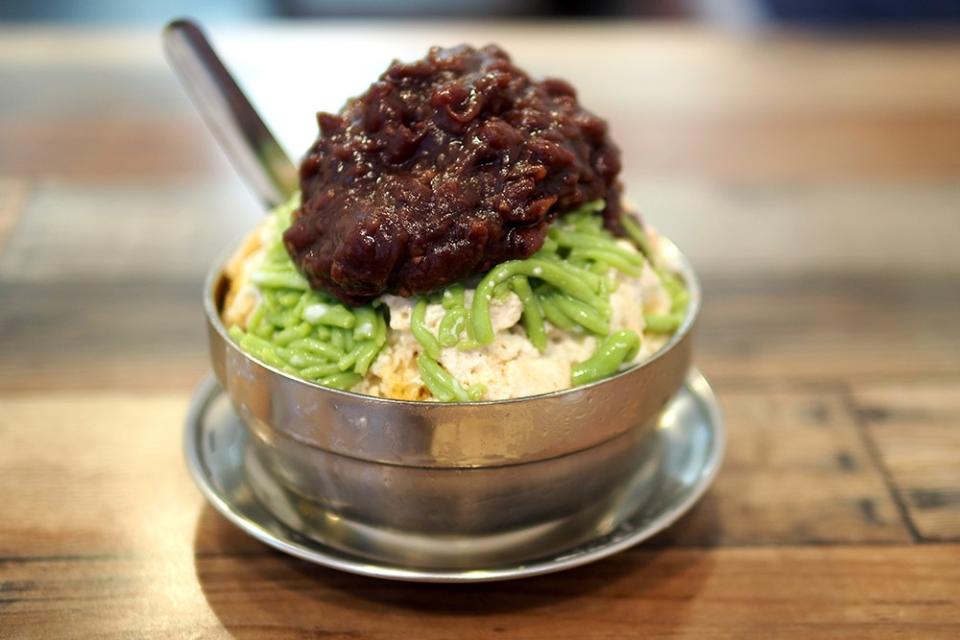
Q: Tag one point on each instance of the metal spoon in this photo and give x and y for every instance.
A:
(242, 134)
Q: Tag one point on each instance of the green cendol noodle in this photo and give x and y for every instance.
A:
(311, 335)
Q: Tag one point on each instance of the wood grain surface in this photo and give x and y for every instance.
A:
(814, 181)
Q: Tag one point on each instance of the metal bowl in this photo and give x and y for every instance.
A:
(454, 485)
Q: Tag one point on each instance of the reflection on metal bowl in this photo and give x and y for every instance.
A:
(453, 485)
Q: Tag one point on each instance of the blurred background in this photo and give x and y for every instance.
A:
(741, 13)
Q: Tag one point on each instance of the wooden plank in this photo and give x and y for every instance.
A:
(121, 148)
(53, 123)
(103, 474)
(848, 227)
(697, 103)
(85, 465)
(775, 148)
(94, 476)
(874, 591)
(97, 335)
(13, 195)
(916, 427)
(108, 280)
(706, 70)
(127, 232)
(796, 471)
(817, 328)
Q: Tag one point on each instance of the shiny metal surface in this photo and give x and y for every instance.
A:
(689, 437)
(522, 473)
(454, 435)
(242, 134)
(442, 517)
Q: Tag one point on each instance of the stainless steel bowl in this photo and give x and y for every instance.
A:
(450, 485)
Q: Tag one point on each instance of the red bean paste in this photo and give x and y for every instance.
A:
(444, 168)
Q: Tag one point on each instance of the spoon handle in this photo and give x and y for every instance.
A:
(242, 134)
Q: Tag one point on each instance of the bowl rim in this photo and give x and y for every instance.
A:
(674, 256)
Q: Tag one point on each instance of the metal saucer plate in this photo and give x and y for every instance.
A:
(692, 438)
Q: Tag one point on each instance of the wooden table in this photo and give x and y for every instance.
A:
(815, 182)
